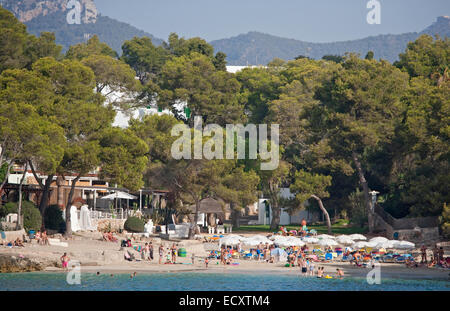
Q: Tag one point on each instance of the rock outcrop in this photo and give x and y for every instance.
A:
(27, 10)
(10, 264)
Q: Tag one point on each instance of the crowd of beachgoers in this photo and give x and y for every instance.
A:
(303, 249)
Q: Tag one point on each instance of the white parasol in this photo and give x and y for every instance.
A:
(356, 237)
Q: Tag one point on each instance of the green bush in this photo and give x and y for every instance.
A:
(53, 219)
(358, 212)
(8, 208)
(134, 224)
(445, 219)
(32, 219)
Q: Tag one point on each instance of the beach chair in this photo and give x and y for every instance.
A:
(328, 256)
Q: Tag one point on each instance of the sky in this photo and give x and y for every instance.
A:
(307, 20)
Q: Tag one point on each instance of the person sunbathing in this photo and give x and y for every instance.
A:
(18, 243)
(432, 264)
(111, 238)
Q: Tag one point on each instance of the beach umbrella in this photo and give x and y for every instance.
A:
(360, 244)
(378, 239)
(404, 245)
(278, 252)
(230, 240)
(356, 237)
(256, 240)
(310, 240)
(327, 242)
(386, 244)
(119, 195)
(325, 237)
(372, 244)
(296, 242)
(288, 241)
(345, 240)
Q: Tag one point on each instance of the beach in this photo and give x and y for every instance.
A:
(95, 255)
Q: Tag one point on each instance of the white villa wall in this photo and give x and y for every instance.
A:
(285, 218)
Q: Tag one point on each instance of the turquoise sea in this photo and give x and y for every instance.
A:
(205, 282)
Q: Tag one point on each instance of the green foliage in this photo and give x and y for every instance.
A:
(107, 29)
(8, 208)
(18, 49)
(134, 224)
(209, 92)
(426, 57)
(307, 184)
(445, 221)
(358, 211)
(122, 157)
(32, 219)
(92, 47)
(334, 58)
(54, 218)
(369, 55)
(145, 58)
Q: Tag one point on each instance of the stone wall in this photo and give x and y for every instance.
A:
(417, 235)
(104, 224)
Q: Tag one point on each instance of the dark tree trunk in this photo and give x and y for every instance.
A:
(45, 193)
(276, 215)
(194, 223)
(10, 164)
(365, 186)
(19, 206)
(324, 211)
(68, 232)
(235, 217)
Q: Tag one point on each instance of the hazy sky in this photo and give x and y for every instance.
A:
(308, 20)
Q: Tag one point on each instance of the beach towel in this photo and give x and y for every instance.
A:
(3, 234)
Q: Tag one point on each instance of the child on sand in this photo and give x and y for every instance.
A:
(193, 258)
(206, 262)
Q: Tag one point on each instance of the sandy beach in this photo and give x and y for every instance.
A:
(96, 255)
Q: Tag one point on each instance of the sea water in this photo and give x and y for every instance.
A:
(185, 281)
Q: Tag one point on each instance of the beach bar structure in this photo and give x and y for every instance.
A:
(89, 190)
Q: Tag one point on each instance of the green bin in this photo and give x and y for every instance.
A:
(182, 252)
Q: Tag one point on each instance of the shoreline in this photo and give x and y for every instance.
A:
(95, 255)
(387, 271)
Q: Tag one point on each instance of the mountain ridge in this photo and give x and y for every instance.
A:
(252, 48)
(256, 48)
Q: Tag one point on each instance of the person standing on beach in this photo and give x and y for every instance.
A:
(65, 261)
(174, 253)
(206, 262)
(161, 253)
(145, 252)
(311, 268)
(150, 250)
(423, 250)
(435, 253)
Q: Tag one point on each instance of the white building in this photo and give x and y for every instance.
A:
(265, 212)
